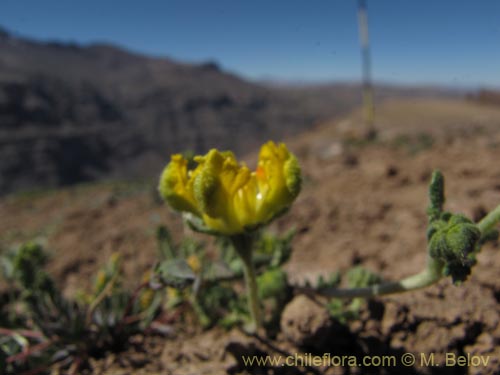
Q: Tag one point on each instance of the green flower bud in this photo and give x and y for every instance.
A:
(454, 242)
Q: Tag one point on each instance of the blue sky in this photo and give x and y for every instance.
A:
(448, 42)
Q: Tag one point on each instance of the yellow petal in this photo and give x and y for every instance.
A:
(214, 189)
(279, 179)
(176, 187)
(245, 202)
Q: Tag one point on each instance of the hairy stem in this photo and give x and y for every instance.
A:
(252, 293)
(490, 220)
(243, 246)
(430, 275)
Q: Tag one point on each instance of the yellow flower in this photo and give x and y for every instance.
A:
(226, 195)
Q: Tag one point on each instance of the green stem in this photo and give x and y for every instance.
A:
(243, 245)
(490, 220)
(252, 294)
(430, 275)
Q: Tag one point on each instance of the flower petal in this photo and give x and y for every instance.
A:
(279, 179)
(215, 188)
(176, 187)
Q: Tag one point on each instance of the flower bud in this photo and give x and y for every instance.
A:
(454, 242)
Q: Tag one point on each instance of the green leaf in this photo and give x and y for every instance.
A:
(175, 273)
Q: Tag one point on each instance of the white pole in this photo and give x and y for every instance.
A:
(368, 104)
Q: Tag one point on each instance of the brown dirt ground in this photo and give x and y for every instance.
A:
(362, 203)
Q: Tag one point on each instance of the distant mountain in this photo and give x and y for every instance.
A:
(71, 113)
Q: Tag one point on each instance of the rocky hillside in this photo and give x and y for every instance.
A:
(71, 113)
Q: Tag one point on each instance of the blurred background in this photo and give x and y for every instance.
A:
(371, 95)
(98, 90)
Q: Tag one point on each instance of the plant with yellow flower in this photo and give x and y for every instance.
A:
(223, 197)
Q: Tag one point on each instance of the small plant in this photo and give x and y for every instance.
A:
(224, 198)
(48, 327)
(453, 241)
(207, 285)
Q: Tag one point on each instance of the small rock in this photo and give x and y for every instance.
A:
(305, 322)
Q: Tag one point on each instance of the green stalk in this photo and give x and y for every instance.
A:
(430, 275)
(243, 245)
(490, 220)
